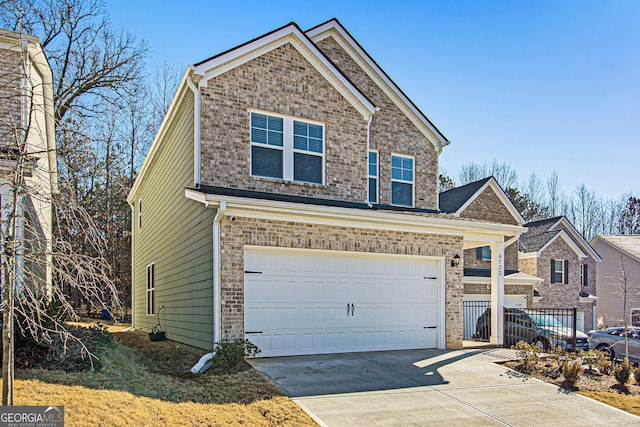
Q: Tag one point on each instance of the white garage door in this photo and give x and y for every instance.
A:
(311, 302)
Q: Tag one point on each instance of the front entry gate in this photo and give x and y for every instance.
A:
(543, 327)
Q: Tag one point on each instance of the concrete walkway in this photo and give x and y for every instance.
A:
(429, 387)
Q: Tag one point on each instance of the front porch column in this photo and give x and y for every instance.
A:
(497, 293)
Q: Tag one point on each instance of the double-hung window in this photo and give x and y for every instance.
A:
(286, 148)
(559, 271)
(373, 177)
(483, 253)
(402, 180)
(584, 277)
(151, 289)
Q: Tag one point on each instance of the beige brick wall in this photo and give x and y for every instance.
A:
(478, 289)
(391, 132)
(488, 207)
(561, 295)
(529, 266)
(283, 82)
(244, 231)
(510, 256)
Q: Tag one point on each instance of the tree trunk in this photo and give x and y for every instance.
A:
(7, 342)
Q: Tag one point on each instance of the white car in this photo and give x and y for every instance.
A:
(611, 340)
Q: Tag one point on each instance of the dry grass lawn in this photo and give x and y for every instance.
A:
(621, 401)
(150, 383)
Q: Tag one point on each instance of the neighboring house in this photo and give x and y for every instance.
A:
(26, 120)
(290, 197)
(486, 200)
(620, 257)
(555, 251)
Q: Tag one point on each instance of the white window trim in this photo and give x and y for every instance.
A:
(561, 282)
(376, 176)
(582, 282)
(287, 147)
(631, 311)
(412, 182)
(151, 311)
(482, 257)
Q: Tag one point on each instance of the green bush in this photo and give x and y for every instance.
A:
(636, 375)
(229, 354)
(622, 372)
(572, 372)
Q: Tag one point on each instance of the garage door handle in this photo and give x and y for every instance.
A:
(352, 309)
(253, 332)
(252, 272)
(430, 327)
(430, 277)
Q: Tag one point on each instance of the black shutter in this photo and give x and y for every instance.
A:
(479, 253)
(553, 270)
(566, 272)
(585, 276)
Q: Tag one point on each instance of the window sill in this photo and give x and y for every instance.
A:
(287, 182)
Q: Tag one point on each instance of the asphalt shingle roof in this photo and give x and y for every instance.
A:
(538, 234)
(630, 243)
(452, 200)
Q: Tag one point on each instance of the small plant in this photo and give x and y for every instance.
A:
(229, 354)
(572, 372)
(636, 375)
(622, 372)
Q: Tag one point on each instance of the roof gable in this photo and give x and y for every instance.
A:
(333, 28)
(628, 244)
(293, 35)
(543, 232)
(563, 235)
(455, 201)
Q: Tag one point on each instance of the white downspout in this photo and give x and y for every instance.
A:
(196, 131)
(133, 264)
(217, 287)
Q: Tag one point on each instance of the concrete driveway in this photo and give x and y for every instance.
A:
(429, 387)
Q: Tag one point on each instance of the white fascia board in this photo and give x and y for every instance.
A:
(183, 88)
(528, 255)
(501, 195)
(590, 298)
(577, 237)
(339, 216)
(568, 240)
(380, 78)
(507, 280)
(290, 34)
(617, 248)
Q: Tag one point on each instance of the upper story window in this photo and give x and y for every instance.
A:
(483, 253)
(373, 177)
(559, 271)
(584, 277)
(285, 148)
(401, 180)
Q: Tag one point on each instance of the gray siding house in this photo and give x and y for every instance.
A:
(290, 198)
(621, 257)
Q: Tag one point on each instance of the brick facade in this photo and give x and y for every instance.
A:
(510, 258)
(560, 295)
(480, 289)
(259, 232)
(391, 132)
(488, 207)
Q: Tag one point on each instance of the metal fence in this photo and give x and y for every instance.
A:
(476, 313)
(543, 327)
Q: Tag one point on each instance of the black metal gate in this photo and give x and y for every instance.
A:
(543, 327)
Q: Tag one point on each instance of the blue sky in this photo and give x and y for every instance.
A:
(540, 85)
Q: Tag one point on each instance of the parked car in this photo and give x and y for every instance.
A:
(611, 340)
(534, 327)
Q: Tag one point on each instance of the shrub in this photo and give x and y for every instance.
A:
(636, 375)
(571, 372)
(622, 372)
(229, 354)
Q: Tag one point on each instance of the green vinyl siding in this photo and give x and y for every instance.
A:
(177, 235)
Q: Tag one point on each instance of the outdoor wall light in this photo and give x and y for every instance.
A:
(455, 261)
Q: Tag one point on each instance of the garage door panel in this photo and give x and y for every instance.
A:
(298, 302)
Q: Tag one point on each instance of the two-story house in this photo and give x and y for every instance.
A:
(290, 197)
(27, 138)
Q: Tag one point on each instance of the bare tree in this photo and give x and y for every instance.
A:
(39, 267)
(506, 176)
(585, 211)
(554, 194)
